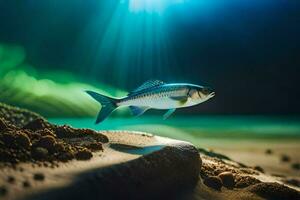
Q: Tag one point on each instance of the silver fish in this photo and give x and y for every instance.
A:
(154, 94)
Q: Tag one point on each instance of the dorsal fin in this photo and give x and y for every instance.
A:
(146, 85)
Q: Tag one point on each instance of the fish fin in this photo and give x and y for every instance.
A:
(169, 113)
(137, 111)
(108, 105)
(181, 99)
(146, 85)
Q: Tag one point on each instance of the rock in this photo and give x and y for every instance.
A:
(26, 184)
(47, 142)
(59, 147)
(98, 136)
(296, 166)
(11, 179)
(227, 179)
(66, 156)
(269, 151)
(64, 132)
(95, 146)
(3, 191)
(39, 176)
(285, 158)
(22, 140)
(274, 191)
(259, 168)
(213, 182)
(37, 124)
(39, 153)
(83, 154)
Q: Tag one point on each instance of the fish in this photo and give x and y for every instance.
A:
(154, 94)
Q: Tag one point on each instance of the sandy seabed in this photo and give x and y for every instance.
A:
(229, 169)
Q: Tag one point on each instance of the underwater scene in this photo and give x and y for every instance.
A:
(169, 99)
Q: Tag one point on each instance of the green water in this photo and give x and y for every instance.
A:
(198, 128)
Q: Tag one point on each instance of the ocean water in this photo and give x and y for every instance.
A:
(196, 129)
(247, 51)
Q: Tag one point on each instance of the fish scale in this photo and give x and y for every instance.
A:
(158, 97)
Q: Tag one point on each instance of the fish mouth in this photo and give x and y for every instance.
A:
(212, 94)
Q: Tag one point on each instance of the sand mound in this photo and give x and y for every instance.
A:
(27, 137)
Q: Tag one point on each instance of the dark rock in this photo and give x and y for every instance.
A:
(227, 179)
(3, 191)
(285, 158)
(59, 147)
(100, 137)
(22, 140)
(11, 179)
(96, 146)
(39, 176)
(64, 132)
(269, 151)
(274, 191)
(47, 142)
(213, 182)
(37, 124)
(39, 153)
(26, 184)
(259, 168)
(83, 154)
(66, 156)
(296, 166)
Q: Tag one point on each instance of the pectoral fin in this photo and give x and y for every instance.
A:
(137, 111)
(169, 113)
(181, 99)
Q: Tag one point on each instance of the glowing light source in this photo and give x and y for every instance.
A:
(151, 6)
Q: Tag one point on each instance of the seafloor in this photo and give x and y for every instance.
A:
(30, 144)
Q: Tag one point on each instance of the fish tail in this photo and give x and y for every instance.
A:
(108, 105)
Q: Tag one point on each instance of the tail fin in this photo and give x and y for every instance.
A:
(108, 105)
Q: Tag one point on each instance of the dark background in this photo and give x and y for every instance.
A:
(248, 51)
